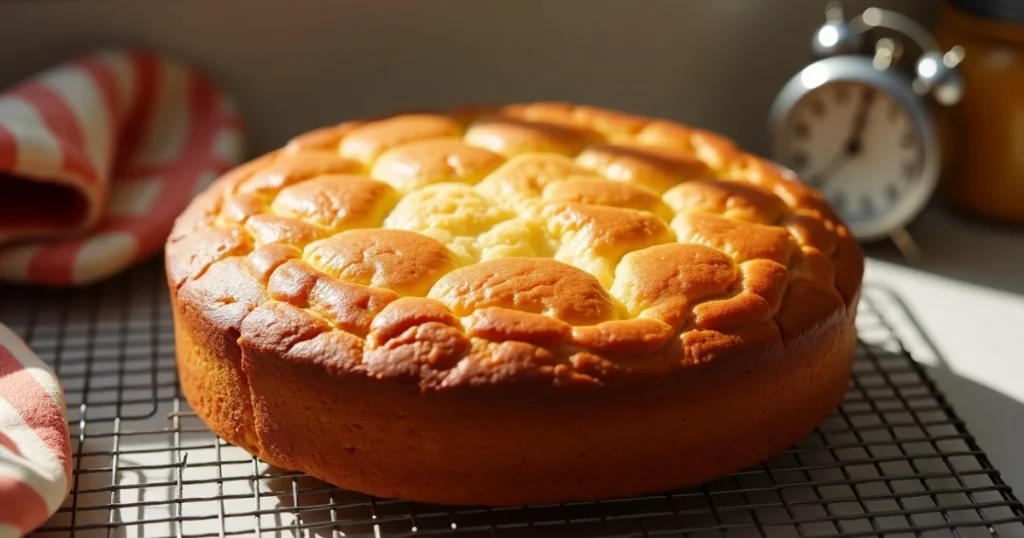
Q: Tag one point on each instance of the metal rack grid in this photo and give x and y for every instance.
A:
(894, 460)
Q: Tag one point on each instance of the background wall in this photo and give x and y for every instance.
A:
(294, 65)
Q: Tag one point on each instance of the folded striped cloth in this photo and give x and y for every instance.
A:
(35, 452)
(97, 158)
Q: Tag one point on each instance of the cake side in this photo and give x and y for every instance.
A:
(518, 444)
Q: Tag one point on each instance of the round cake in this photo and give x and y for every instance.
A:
(533, 303)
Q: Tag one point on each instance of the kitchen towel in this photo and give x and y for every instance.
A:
(97, 158)
(35, 451)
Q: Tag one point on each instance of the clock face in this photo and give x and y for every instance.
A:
(856, 145)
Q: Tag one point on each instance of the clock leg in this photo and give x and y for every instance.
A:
(906, 244)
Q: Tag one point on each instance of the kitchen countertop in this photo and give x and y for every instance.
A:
(968, 296)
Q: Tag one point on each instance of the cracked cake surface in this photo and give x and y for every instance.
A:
(539, 244)
(592, 237)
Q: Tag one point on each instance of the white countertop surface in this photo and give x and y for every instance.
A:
(968, 295)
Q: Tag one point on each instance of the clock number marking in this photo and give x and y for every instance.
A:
(817, 107)
(910, 171)
(842, 94)
(867, 205)
(893, 111)
(800, 130)
(838, 201)
(869, 95)
(908, 140)
(892, 193)
(798, 160)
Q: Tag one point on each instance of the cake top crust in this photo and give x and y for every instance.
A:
(539, 242)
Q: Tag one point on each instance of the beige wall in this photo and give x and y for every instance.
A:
(294, 65)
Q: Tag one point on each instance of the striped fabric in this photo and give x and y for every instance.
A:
(97, 158)
(35, 452)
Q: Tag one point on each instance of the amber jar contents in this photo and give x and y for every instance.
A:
(985, 174)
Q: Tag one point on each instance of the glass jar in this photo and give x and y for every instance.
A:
(984, 133)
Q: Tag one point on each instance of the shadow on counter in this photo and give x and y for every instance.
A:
(961, 248)
(1001, 437)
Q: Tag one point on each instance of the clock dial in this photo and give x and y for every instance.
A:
(856, 145)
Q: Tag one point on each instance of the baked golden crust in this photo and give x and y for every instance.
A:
(530, 247)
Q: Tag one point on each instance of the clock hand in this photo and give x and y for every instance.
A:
(828, 171)
(851, 147)
(853, 144)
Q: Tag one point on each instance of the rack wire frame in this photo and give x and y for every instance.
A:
(893, 460)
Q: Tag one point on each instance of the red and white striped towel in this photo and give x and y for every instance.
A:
(35, 451)
(97, 158)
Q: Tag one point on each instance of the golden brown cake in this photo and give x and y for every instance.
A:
(527, 304)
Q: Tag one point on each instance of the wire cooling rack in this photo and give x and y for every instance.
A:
(894, 460)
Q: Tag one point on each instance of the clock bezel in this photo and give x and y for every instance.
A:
(860, 70)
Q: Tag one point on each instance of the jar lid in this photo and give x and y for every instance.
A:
(1000, 10)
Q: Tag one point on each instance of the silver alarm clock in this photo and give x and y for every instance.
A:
(860, 130)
